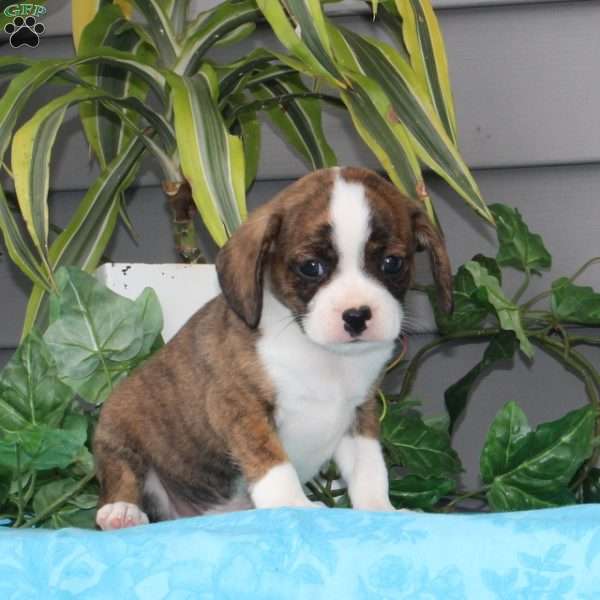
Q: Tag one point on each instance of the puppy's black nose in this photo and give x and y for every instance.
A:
(355, 320)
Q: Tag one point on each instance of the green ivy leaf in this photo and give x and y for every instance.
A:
(150, 312)
(77, 512)
(503, 440)
(502, 347)
(30, 390)
(519, 248)
(41, 447)
(575, 303)
(97, 336)
(469, 309)
(413, 491)
(507, 312)
(505, 497)
(532, 469)
(424, 450)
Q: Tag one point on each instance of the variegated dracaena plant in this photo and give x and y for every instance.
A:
(146, 87)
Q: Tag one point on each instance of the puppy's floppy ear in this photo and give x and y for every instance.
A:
(240, 265)
(429, 238)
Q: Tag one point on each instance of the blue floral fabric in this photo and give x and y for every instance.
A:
(313, 554)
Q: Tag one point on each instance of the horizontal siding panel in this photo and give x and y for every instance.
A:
(525, 83)
(553, 201)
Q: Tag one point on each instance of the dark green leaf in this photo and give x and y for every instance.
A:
(531, 469)
(470, 309)
(418, 492)
(424, 450)
(71, 516)
(504, 497)
(508, 313)
(519, 248)
(575, 303)
(41, 447)
(503, 440)
(79, 511)
(502, 347)
(30, 391)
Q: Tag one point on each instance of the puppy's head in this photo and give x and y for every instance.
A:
(338, 246)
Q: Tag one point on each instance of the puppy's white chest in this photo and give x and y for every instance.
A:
(318, 391)
(315, 407)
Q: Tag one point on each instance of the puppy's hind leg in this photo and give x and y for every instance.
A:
(121, 476)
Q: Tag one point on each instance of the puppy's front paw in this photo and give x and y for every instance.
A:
(278, 488)
(118, 515)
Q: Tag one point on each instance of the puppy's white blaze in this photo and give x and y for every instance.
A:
(351, 286)
(363, 468)
(350, 217)
(279, 487)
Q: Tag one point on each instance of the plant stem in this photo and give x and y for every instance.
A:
(582, 340)
(183, 209)
(450, 506)
(42, 516)
(584, 267)
(415, 363)
(30, 489)
(400, 356)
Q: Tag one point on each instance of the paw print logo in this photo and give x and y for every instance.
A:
(24, 32)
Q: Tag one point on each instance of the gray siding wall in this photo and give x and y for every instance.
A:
(527, 96)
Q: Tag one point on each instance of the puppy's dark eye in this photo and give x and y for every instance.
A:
(312, 269)
(391, 265)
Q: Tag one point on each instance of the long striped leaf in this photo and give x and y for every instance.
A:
(226, 18)
(84, 11)
(259, 66)
(240, 33)
(13, 65)
(298, 120)
(17, 94)
(161, 30)
(411, 106)
(17, 247)
(388, 15)
(312, 28)
(250, 134)
(130, 62)
(108, 135)
(23, 85)
(212, 160)
(84, 240)
(315, 58)
(425, 44)
(177, 11)
(388, 141)
(31, 152)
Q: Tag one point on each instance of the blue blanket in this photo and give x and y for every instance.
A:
(313, 554)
